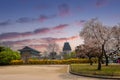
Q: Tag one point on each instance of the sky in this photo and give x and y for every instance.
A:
(37, 23)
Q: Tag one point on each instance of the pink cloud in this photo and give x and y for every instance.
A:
(39, 47)
(40, 31)
(13, 35)
(43, 18)
(50, 39)
(101, 3)
(79, 23)
(64, 10)
(9, 35)
(28, 42)
(26, 34)
(37, 44)
(60, 39)
(73, 37)
(60, 27)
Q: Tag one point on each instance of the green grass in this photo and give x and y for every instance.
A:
(111, 70)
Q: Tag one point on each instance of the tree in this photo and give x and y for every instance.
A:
(114, 44)
(45, 55)
(91, 52)
(52, 55)
(80, 51)
(53, 48)
(97, 35)
(7, 55)
(116, 38)
(87, 51)
(2, 48)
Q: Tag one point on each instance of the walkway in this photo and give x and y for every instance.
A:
(39, 72)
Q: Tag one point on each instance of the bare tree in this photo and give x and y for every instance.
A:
(53, 48)
(45, 55)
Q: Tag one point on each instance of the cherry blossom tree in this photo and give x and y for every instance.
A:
(97, 35)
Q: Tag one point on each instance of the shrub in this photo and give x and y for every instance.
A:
(7, 55)
(69, 61)
(45, 61)
(16, 62)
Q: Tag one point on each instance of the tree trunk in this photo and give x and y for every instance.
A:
(100, 59)
(106, 60)
(91, 63)
(106, 57)
(99, 64)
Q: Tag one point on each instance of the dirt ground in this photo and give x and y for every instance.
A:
(39, 72)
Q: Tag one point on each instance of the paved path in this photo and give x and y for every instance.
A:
(38, 72)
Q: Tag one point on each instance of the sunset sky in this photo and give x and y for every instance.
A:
(36, 23)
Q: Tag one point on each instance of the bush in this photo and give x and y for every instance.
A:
(16, 62)
(7, 55)
(69, 61)
(45, 61)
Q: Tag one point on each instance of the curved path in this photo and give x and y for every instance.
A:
(39, 72)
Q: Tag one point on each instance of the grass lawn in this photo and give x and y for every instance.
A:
(111, 70)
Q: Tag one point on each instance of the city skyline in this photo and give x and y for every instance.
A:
(36, 23)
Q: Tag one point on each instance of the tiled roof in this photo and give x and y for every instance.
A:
(26, 48)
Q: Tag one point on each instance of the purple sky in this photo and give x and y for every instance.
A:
(35, 23)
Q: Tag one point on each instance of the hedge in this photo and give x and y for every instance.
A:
(16, 62)
(69, 61)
